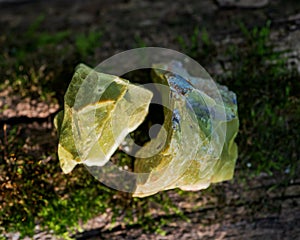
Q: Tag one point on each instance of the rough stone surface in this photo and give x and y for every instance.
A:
(243, 3)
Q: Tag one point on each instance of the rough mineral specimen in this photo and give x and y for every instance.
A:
(200, 148)
(99, 111)
(194, 147)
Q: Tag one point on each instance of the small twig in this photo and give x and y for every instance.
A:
(5, 142)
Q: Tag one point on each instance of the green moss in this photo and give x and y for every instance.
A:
(268, 107)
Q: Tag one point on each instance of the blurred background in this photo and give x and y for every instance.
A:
(248, 45)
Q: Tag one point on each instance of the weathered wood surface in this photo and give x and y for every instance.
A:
(264, 208)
